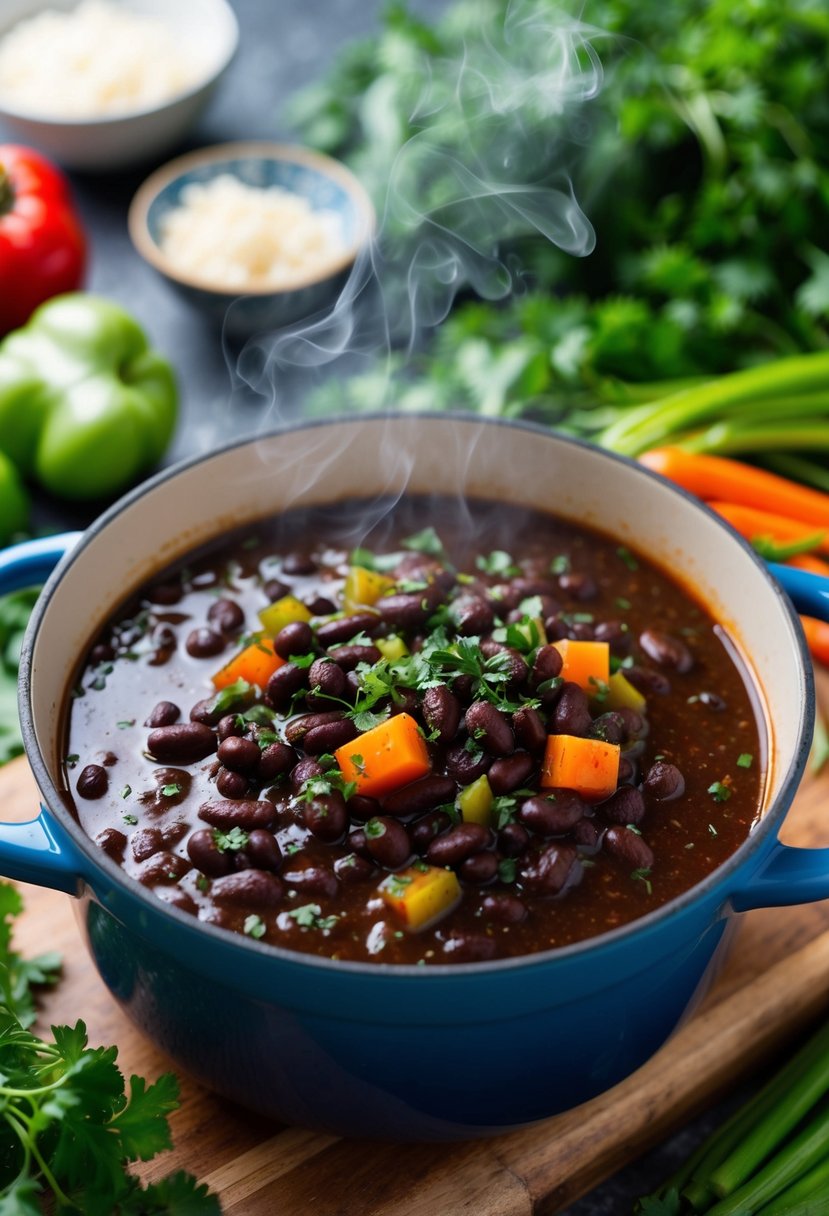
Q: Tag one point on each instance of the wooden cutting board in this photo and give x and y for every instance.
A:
(773, 988)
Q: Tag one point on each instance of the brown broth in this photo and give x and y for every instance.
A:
(703, 725)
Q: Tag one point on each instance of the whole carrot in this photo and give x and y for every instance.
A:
(717, 477)
(808, 561)
(757, 525)
(817, 638)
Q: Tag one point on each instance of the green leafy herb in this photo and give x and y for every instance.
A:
(309, 916)
(126, 791)
(254, 926)
(170, 791)
(507, 868)
(381, 562)
(627, 557)
(560, 564)
(745, 760)
(719, 791)
(643, 875)
(230, 842)
(72, 1127)
(240, 692)
(426, 541)
(128, 722)
(497, 563)
(129, 819)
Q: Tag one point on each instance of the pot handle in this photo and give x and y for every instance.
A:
(37, 851)
(792, 875)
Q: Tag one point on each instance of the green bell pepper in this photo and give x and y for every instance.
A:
(85, 404)
(14, 502)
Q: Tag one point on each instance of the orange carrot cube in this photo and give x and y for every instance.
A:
(385, 757)
(588, 766)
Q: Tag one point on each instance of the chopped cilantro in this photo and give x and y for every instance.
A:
(230, 842)
(130, 819)
(254, 927)
(719, 791)
(309, 916)
(745, 760)
(126, 723)
(170, 791)
(426, 541)
(507, 868)
(231, 696)
(126, 791)
(560, 564)
(643, 875)
(72, 760)
(627, 557)
(498, 563)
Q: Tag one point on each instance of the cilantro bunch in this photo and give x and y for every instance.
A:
(69, 1123)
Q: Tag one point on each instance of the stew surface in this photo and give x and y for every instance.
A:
(460, 732)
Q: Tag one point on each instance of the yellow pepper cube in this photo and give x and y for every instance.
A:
(364, 587)
(392, 648)
(622, 695)
(421, 895)
(475, 802)
(281, 613)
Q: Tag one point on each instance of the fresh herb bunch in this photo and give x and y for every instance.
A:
(68, 1126)
(14, 616)
(769, 1158)
(702, 162)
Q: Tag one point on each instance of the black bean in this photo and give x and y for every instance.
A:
(426, 794)
(465, 947)
(664, 781)
(629, 847)
(321, 740)
(258, 888)
(489, 727)
(510, 772)
(625, 806)
(326, 679)
(388, 842)
(552, 814)
(165, 713)
(616, 634)
(164, 593)
(314, 880)
(586, 835)
(262, 852)
(162, 868)
(479, 868)
(457, 844)
(441, 712)
(571, 715)
(551, 871)
(275, 589)
(361, 807)
(299, 563)
(203, 643)
(712, 700)
(304, 771)
(556, 628)
(206, 855)
(466, 766)
(284, 684)
(205, 712)
(171, 833)
(351, 869)
(666, 650)
(112, 842)
(358, 843)
(513, 840)
(504, 908)
(424, 830)
(509, 661)
(627, 770)
(503, 596)
(93, 781)
(229, 727)
(610, 727)
(530, 585)
(347, 657)
(239, 755)
(298, 728)
(546, 665)
(144, 842)
(295, 638)
(581, 631)
(579, 586)
(244, 813)
(464, 688)
(226, 615)
(231, 785)
(275, 760)
(472, 614)
(326, 817)
(636, 727)
(404, 701)
(181, 743)
(334, 633)
(408, 609)
(530, 731)
(647, 680)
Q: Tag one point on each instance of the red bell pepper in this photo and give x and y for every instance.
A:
(42, 244)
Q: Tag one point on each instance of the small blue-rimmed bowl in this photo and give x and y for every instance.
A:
(326, 184)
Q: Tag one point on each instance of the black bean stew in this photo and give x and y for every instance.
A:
(473, 732)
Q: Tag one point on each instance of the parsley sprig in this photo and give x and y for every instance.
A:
(69, 1124)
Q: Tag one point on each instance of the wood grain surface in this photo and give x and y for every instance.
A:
(772, 989)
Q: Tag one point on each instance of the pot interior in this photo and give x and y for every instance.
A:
(332, 461)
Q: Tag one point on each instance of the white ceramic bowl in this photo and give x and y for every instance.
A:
(209, 30)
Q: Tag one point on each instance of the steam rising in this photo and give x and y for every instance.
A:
(451, 223)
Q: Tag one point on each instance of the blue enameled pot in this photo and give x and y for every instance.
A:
(373, 1049)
